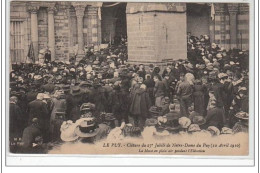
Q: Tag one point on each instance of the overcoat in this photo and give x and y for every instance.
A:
(141, 103)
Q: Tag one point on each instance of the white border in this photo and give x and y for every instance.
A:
(84, 160)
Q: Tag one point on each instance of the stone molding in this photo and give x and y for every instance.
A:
(150, 7)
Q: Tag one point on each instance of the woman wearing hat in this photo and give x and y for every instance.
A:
(242, 124)
(89, 131)
(239, 103)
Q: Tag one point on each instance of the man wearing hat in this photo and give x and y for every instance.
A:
(49, 87)
(159, 91)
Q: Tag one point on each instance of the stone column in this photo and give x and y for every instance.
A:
(34, 29)
(80, 8)
(51, 34)
(233, 9)
(93, 17)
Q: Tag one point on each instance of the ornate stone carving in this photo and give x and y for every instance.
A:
(51, 9)
(80, 8)
(33, 9)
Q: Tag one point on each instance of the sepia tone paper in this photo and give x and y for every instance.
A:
(153, 34)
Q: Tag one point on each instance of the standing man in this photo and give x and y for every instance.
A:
(159, 91)
(39, 109)
(184, 91)
(47, 56)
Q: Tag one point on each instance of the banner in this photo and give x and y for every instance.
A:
(30, 54)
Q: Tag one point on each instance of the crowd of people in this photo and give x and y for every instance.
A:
(102, 95)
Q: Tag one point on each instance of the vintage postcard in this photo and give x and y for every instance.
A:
(129, 78)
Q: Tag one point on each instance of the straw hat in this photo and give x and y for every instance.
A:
(184, 122)
(68, 131)
(213, 130)
(242, 115)
(194, 128)
(86, 128)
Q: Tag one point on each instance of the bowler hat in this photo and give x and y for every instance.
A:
(65, 87)
(76, 91)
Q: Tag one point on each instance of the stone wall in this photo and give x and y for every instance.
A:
(156, 32)
(243, 26)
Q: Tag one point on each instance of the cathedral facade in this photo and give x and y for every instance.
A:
(155, 31)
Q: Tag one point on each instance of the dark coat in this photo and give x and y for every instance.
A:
(116, 101)
(38, 109)
(228, 89)
(31, 96)
(99, 99)
(199, 99)
(29, 135)
(16, 120)
(141, 103)
(150, 86)
(215, 117)
(74, 107)
(159, 89)
(218, 93)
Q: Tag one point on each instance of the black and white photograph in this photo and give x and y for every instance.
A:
(139, 78)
